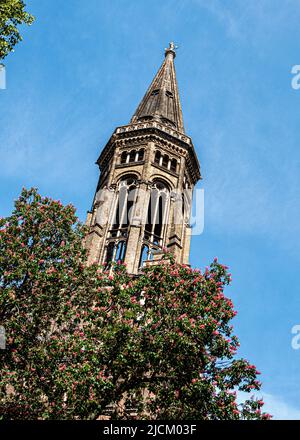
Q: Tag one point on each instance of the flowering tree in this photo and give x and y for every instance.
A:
(12, 15)
(81, 340)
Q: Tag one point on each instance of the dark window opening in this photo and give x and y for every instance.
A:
(132, 156)
(157, 157)
(165, 161)
(115, 251)
(124, 157)
(141, 155)
(110, 252)
(173, 165)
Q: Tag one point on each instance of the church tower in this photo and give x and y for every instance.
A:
(148, 170)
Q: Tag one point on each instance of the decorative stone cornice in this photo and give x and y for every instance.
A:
(140, 133)
(154, 124)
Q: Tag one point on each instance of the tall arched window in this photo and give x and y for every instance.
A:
(124, 203)
(156, 221)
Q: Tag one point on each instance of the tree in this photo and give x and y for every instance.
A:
(12, 14)
(81, 338)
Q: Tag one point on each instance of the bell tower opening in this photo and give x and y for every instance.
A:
(155, 227)
(119, 226)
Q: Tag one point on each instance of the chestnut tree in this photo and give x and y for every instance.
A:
(84, 341)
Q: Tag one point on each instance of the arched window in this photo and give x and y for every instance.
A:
(120, 251)
(126, 199)
(174, 165)
(115, 251)
(156, 220)
(132, 156)
(124, 157)
(145, 254)
(110, 253)
(165, 161)
(157, 156)
(159, 219)
(124, 203)
(141, 154)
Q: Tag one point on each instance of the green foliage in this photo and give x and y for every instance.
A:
(12, 14)
(80, 338)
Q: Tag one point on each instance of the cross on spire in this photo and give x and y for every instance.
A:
(171, 49)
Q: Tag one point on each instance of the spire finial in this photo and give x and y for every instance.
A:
(171, 49)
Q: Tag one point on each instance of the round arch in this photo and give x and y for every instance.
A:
(128, 175)
(167, 182)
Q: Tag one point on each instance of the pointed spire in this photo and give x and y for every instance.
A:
(161, 101)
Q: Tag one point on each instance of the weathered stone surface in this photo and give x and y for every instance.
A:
(156, 126)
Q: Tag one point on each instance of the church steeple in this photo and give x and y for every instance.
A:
(148, 171)
(161, 101)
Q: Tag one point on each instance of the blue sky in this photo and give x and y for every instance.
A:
(81, 71)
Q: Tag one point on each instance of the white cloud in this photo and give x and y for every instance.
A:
(275, 405)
